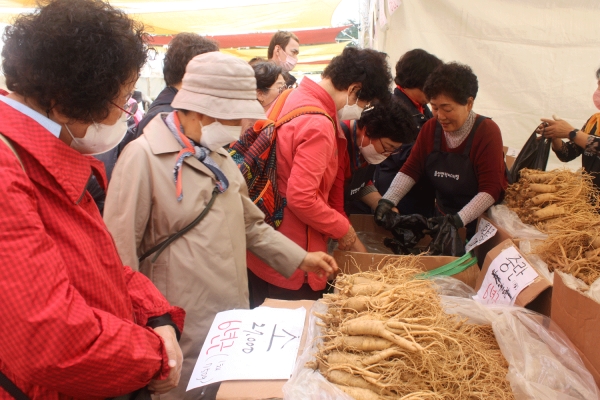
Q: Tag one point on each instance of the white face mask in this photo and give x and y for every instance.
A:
(100, 138)
(350, 112)
(217, 135)
(370, 154)
(289, 63)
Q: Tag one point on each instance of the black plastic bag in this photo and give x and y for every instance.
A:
(533, 155)
(399, 248)
(407, 231)
(445, 238)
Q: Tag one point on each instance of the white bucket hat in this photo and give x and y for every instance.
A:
(220, 86)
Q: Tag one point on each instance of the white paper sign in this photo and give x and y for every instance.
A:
(393, 5)
(507, 276)
(485, 231)
(250, 344)
(512, 152)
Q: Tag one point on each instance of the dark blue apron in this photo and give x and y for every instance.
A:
(453, 176)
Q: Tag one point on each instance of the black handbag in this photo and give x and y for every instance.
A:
(533, 155)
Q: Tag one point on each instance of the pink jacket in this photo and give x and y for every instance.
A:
(310, 179)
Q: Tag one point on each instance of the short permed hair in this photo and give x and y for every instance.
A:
(390, 120)
(75, 55)
(182, 49)
(281, 38)
(266, 74)
(413, 68)
(454, 80)
(365, 66)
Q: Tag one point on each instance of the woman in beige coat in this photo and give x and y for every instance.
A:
(166, 178)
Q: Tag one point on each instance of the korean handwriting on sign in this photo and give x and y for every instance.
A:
(226, 337)
(504, 291)
(514, 266)
(284, 334)
(251, 337)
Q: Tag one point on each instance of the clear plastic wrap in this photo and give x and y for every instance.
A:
(508, 220)
(542, 362)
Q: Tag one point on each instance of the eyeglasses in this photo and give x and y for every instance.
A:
(129, 108)
(281, 88)
(387, 151)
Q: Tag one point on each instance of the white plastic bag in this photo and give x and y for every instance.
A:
(508, 220)
(542, 362)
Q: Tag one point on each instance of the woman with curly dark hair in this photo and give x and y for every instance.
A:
(459, 151)
(308, 176)
(76, 323)
(379, 133)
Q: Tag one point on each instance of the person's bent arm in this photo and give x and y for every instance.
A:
(51, 335)
(277, 250)
(400, 186)
(558, 129)
(477, 206)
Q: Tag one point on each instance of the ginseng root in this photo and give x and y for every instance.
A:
(377, 328)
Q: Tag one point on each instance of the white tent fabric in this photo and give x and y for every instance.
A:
(533, 58)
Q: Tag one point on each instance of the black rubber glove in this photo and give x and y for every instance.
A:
(383, 206)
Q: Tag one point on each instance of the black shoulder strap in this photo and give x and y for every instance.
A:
(11, 388)
(478, 121)
(159, 248)
(437, 137)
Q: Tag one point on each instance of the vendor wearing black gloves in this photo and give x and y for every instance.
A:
(379, 133)
(459, 151)
(582, 142)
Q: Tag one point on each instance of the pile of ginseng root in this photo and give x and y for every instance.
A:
(563, 204)
(386, 336)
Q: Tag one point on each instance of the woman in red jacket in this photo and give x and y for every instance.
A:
(459, 151)
(75, 322)
(307, 168)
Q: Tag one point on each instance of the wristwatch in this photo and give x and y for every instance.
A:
(572, 134)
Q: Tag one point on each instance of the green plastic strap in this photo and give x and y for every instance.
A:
(451, 268)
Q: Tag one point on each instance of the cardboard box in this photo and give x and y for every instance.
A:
(366, 223)
(538, 288)
(577, 316)
(481, 251)
(352, 263)
(264, 389)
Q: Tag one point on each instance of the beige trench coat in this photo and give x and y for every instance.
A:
(204, 271)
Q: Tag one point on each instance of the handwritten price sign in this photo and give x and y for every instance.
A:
(506, 277)
(485, 231)
(249, 344)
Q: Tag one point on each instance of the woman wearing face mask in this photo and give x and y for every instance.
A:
(459, 151)
(582, 142)
(174, 172)
(75, 322)
(381, 130)
(308, 173)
